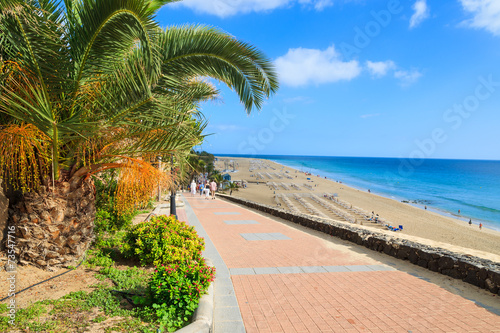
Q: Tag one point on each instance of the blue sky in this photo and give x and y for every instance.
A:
(389, 78)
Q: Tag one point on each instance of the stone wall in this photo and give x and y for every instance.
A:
(474, 270)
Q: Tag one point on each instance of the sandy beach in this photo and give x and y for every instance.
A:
(273, 184)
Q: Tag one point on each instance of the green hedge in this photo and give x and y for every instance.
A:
(163, 240)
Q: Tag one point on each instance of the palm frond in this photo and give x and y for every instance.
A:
(191, 51)
(111, 30)
(34, 37)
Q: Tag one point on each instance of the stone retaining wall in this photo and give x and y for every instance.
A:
(474, 270)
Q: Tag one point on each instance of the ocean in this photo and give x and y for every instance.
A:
(443, 185)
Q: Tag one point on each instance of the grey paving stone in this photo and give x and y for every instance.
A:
(279, 236)
(290, 270)
(229, 327)
(313, 269)
(227, 313)
(358, 268)
(240, 222)
(336, 269)
(227, 213)
(223, 301)
(264, 236)
(241, 271)
(381, 268)
(250, 237)
(222, 273)
(266, 270)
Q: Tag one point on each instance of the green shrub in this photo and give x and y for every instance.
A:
(107, 217)
(97, 258)
(163, 240)
(176, 289)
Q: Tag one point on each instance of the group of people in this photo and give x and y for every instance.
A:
(207, 188)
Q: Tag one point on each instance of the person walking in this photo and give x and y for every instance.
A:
(213, 188)
(207, 190)
(193, 188)
(201, 189)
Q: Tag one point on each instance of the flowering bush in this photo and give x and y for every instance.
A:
(163, 240)
(176, 289)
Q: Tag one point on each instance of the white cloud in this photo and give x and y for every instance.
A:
(407, 78)
(225, 8)
(486, 14)
(317, 4)
(301, 66)
(383, 68)
(380, 68)
(421, 13)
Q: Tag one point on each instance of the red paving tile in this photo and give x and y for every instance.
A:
(301, 250)
(377, 301)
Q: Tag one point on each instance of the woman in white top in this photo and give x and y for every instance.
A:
(193, 188)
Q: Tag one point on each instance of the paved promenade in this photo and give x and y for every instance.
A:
(275, 276)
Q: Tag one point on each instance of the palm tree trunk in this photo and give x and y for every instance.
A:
(54, 228)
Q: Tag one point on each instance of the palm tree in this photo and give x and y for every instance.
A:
(94, 85)
(193, 165)
(217, 177)
(232, 187)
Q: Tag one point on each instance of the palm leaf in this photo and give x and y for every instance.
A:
(192, 51)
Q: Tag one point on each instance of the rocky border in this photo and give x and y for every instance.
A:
(477, 271)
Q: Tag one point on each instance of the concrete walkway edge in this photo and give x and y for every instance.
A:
(226, 312)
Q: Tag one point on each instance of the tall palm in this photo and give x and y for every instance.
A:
(90, 85)
(194, 166)
(232, 187)
(218, 179)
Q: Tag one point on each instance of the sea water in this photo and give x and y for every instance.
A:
(443, 185)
